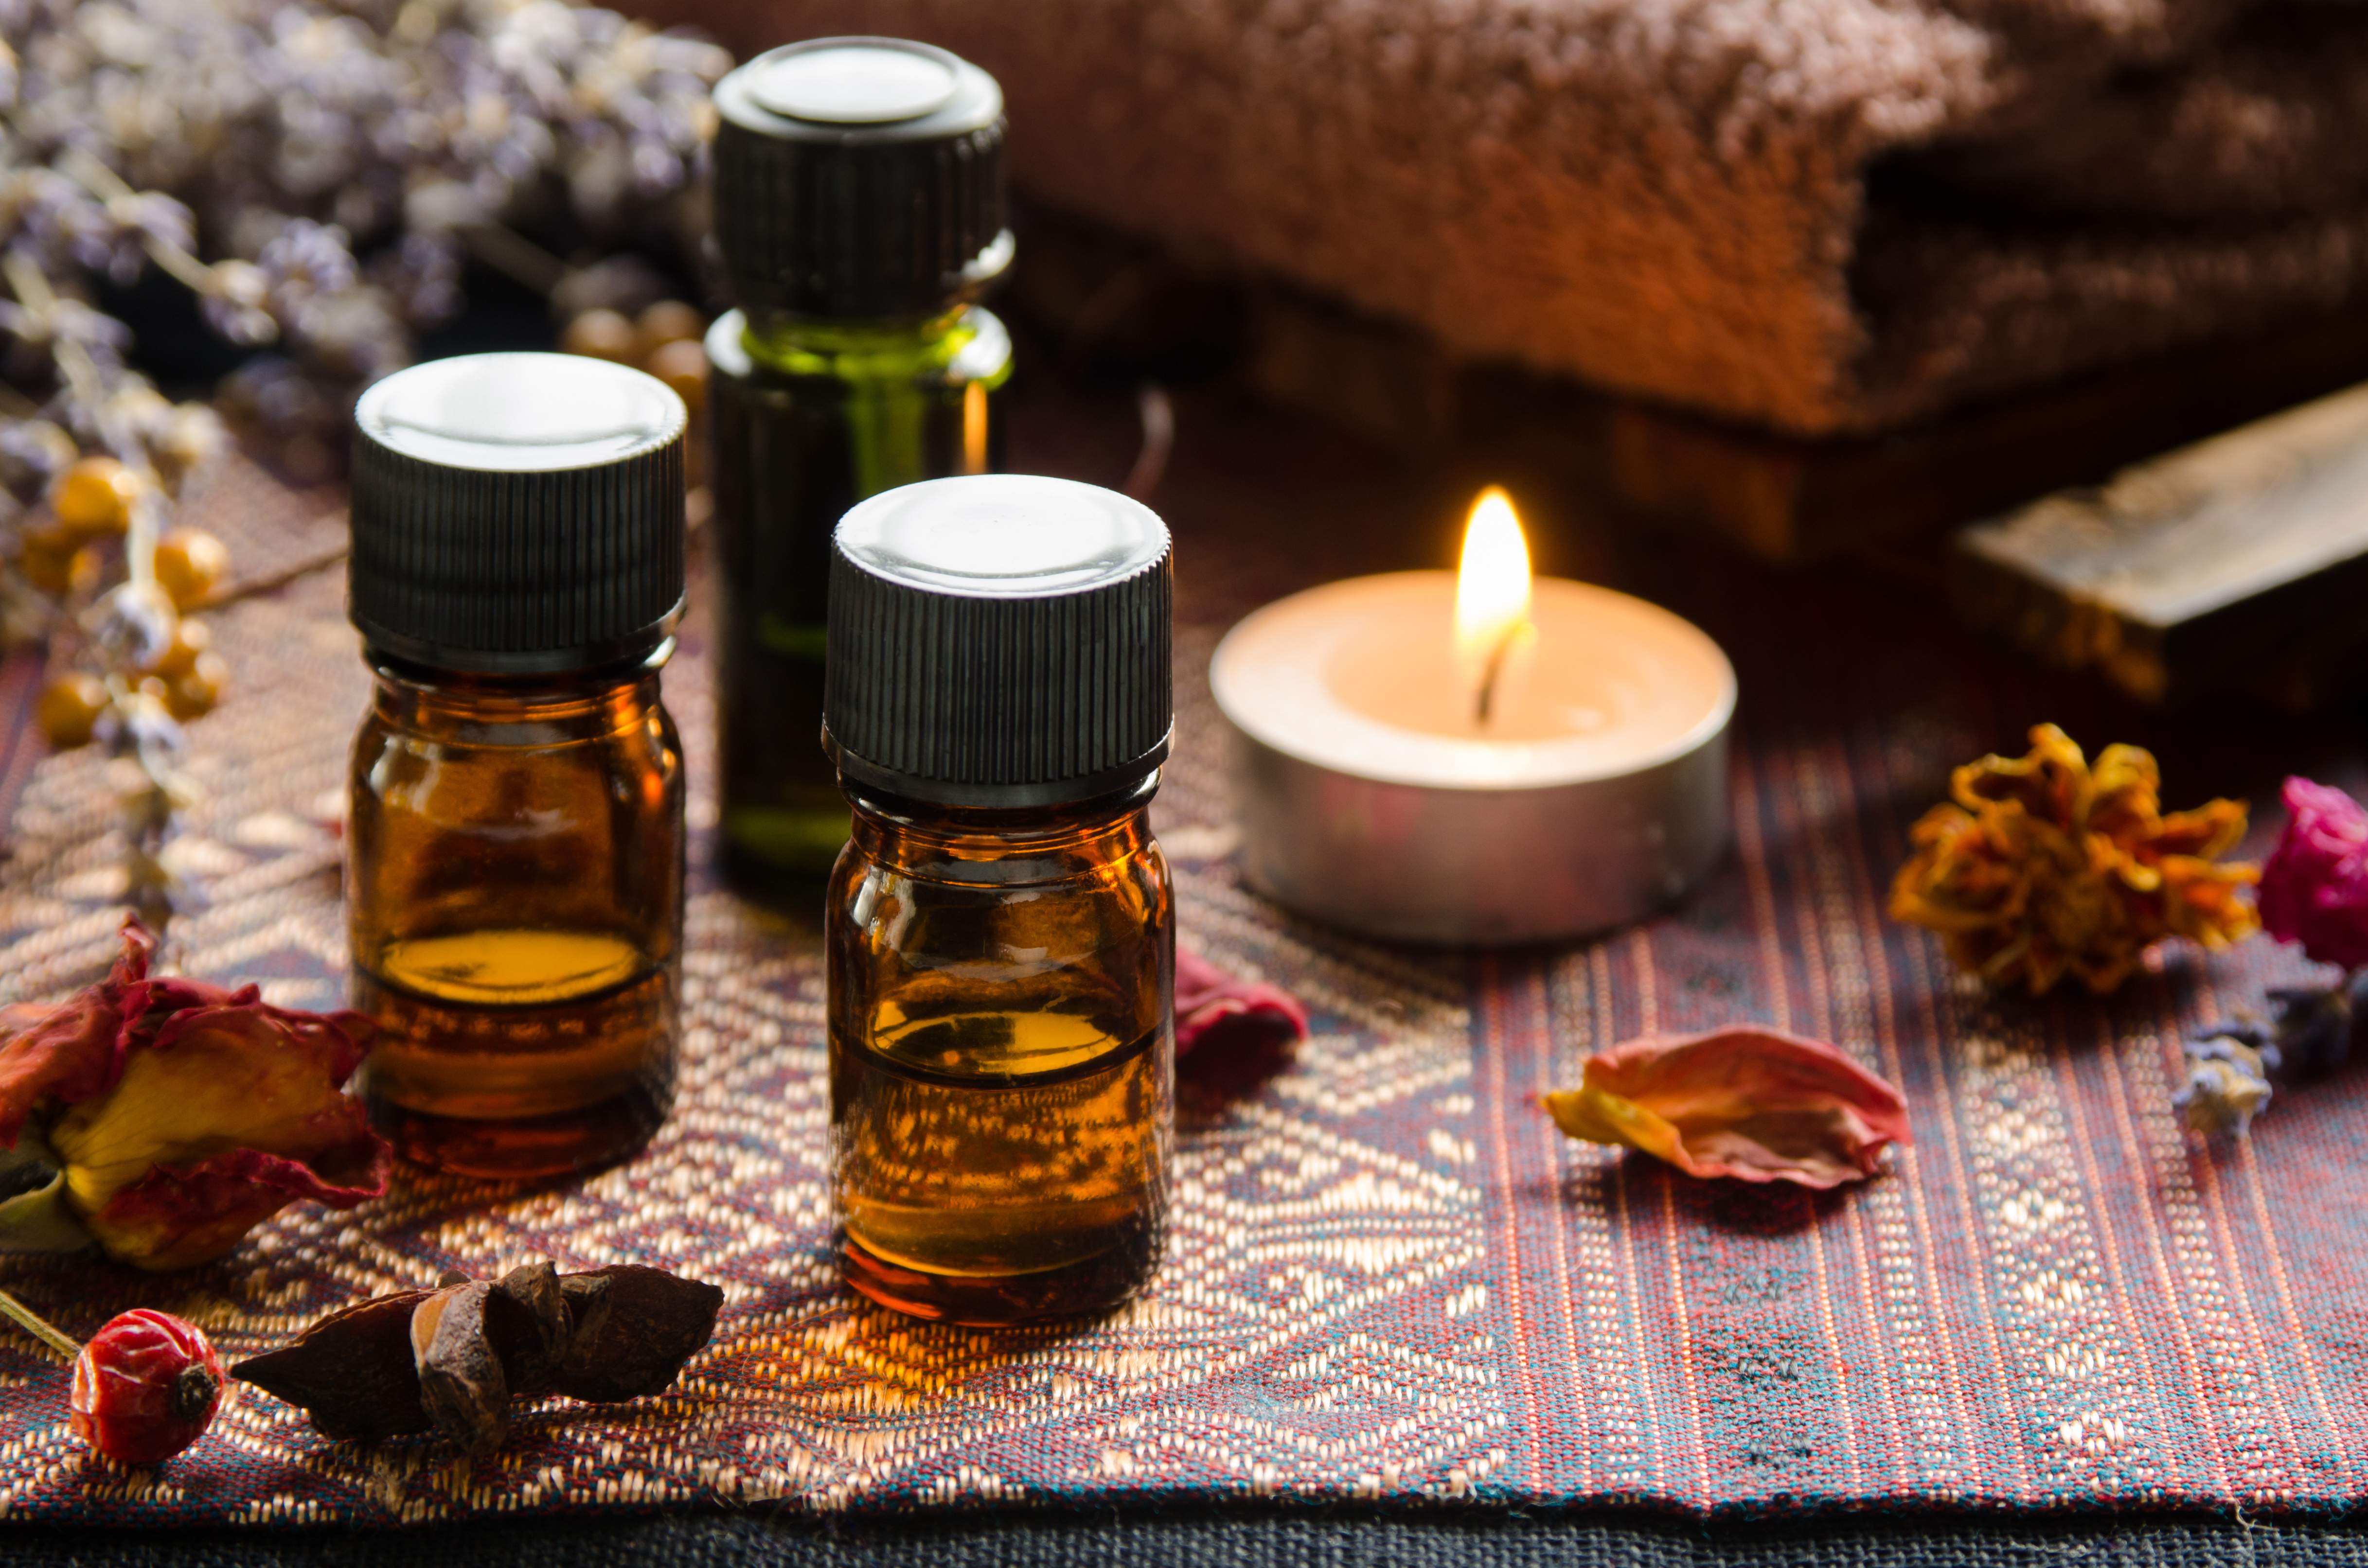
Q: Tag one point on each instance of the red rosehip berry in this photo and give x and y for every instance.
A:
(146, 1387)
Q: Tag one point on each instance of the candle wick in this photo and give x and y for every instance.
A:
(1495, 667)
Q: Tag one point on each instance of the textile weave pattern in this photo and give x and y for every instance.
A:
(1389, 1277)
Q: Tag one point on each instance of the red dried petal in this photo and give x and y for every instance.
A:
(1213, 1006)
(1755, 1104)
(179, 1216)
(75, 1050)
(337, 1041)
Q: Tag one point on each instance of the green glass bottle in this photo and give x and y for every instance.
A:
(860, 215)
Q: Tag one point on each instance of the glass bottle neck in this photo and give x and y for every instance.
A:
(529, 709)
(961, 844)
(856, 350)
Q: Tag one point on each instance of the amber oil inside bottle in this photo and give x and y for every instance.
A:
(514, 897)
(1002, 1056)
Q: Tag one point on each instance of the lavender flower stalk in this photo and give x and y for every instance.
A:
(2313, 892)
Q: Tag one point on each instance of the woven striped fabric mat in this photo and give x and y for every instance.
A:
(1389, 1277)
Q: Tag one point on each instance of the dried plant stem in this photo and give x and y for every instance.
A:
(513, 255)
(32, 1323)
(82, 376)
(107, 186)
(248, 587)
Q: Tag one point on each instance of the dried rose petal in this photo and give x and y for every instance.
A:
(75, 1050)
(1213, 1006)
(179, 1216)
(1755, 1104)
(185, 1113)
(2314, 886)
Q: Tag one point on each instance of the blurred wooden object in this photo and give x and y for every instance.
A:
(1123, 307)
(2239, 562)
(1781, 498)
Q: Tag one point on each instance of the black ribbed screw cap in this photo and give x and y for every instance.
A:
(857, 178)
(517, 514)
(1001, 641)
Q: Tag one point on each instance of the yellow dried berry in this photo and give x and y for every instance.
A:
(190, 563)
(92, 499)
(192, 639)
(55, 563)
(682, 365)
(68, 708)
(600, 334)
(194, 694)
(668, 321)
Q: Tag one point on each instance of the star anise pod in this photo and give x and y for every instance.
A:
(449, 1361)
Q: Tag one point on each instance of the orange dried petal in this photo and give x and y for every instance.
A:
(1755, 1104)
(2047, 867)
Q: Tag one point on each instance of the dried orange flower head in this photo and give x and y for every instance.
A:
(2045, 866)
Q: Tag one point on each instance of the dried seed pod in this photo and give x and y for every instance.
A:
(198, 693)
(451, 1359)
(650, 1323)
(353, 1371)
(530, 1325)
(192, 639)
(461, 1384)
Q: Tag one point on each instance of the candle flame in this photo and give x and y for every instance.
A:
(1492, 596)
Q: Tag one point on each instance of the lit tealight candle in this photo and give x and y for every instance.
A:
(1493, 628)
(1475, 756)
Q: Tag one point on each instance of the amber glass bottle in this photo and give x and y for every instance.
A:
(1000, 928)
(514, 868)
(860, 215)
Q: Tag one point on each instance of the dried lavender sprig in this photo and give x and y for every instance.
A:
(337, 160)
(130, 625)
(165, 250)
(2234, 1066)
(397, 126)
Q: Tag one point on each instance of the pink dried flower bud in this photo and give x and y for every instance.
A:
(2315, 888)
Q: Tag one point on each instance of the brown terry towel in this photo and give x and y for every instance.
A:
(1823, 215)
